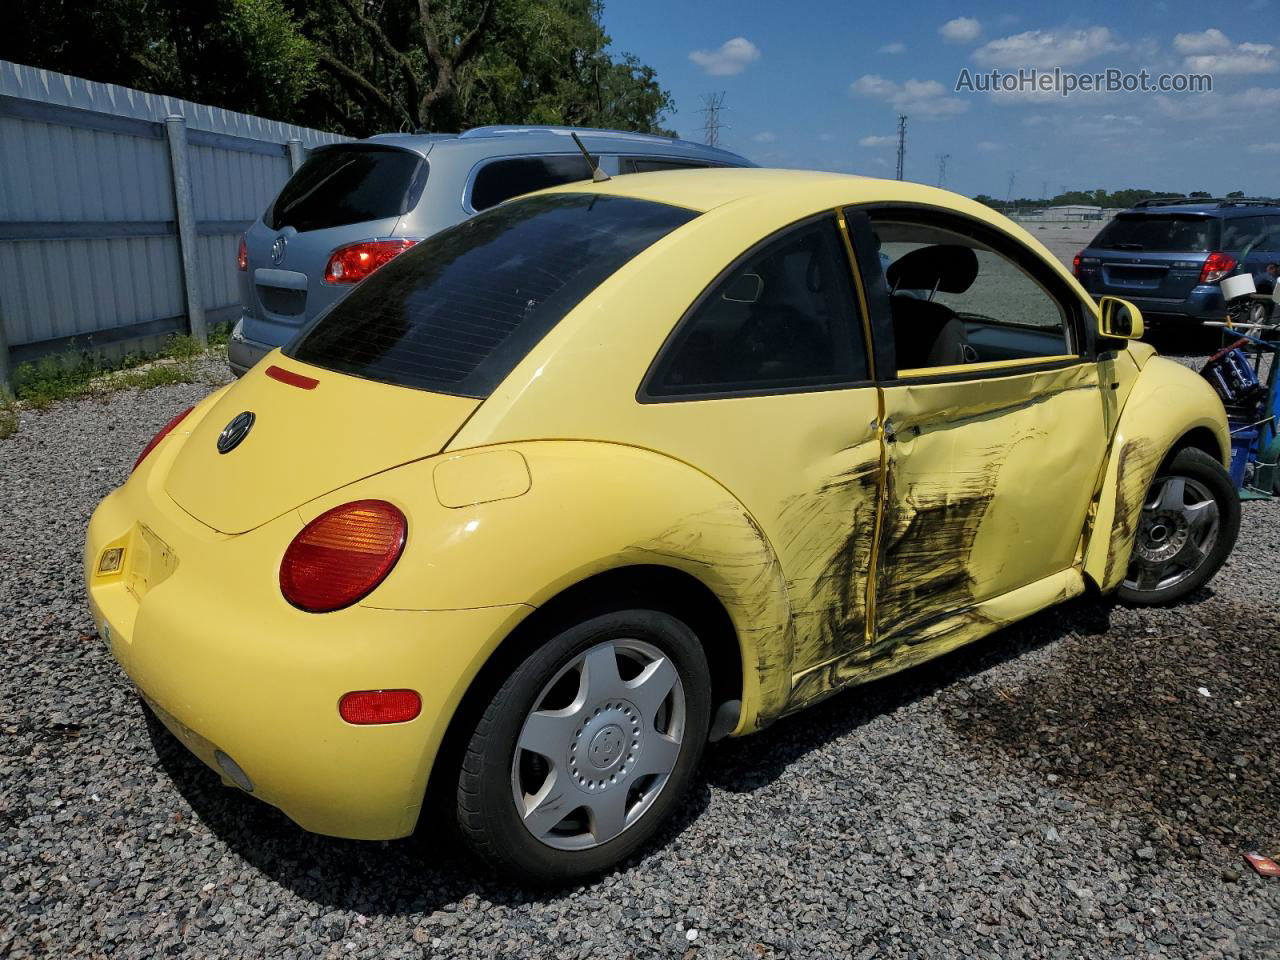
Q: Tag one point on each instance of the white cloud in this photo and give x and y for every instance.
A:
(1046, 49)
(894, 47)
(1265, 148)
(961, 30)
(825, 137)
(732, 56)
(874, 141)
(765, 136)
(989, 146)
(1212, 40)
(927, 97)
(1213, 52)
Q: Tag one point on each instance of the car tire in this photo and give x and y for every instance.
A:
(1173, 556)
(550, 815)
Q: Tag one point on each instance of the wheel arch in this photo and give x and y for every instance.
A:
(634, 586)
(1169, 409)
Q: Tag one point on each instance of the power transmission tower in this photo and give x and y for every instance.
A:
(1008, 196)
(712, 104)
(902, 141)
(942, 168)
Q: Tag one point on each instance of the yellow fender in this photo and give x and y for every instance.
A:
(1169, 407)
(560, 502)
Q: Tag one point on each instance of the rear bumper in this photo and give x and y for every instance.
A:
(243, 353)
(197, 621)
(1203, 303)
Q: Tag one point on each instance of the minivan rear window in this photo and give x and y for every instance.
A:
(1159, 233)
(457, 312)
(342, 185)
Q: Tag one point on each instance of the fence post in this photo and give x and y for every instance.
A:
(6, 375)
(297, 154)
(175, 128)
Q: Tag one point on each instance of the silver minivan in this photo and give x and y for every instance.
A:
(353, 206)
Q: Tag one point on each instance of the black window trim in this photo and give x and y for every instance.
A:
(1088, 344)
(672, 340)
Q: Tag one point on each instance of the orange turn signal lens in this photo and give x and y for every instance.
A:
(365, 707)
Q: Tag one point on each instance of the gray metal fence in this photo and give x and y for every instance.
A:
(120, 211)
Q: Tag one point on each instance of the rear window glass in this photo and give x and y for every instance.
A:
(339, 186)
(457, 312)
(1159, 233)
(504, 179)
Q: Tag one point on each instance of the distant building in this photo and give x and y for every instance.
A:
(1070, 211)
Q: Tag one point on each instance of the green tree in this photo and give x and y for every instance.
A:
(450, 64)
(246, 55)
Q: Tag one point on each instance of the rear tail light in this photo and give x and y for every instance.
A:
(355, 261)
(1075, 265)
(242, 254)
(380, 706)
(164, 432)
(342, 555)
(1216, 266)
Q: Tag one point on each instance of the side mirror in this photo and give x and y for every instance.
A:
(1120, 318)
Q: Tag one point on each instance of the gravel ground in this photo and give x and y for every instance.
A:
(1061, 789)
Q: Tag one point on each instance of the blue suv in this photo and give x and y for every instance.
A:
(1168, 254)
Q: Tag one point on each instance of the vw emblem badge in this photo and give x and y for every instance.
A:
(233, 433)
(277, 250)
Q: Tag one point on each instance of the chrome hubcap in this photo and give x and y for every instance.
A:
(599, 745)
(1176, 533)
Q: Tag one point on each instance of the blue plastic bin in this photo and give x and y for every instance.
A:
(1242, 438)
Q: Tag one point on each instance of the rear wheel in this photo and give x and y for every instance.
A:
(1186, 530)
(587, 747)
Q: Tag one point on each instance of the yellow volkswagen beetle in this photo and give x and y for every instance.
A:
(618, 468)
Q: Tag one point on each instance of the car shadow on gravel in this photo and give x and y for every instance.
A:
(743, 765)
(417, 875)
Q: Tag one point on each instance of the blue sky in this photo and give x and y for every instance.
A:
(819, 84)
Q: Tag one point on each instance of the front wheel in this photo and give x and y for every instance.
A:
(587, 747)
(1186, 531)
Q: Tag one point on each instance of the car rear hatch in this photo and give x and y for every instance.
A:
(342, 194)
(393, 371)
(308, 437)
(1155, 256)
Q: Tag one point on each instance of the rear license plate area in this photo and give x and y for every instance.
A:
(152, 561)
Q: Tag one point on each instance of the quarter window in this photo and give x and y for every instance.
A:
(514, 176)
(780, 319)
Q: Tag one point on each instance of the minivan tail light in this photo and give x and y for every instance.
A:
(355, 261)
(342, 555)
(1075, 265)
(242, 254)
(1216, 266)
(164, 432)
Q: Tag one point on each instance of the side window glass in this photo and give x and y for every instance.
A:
(1244, 234)
(503, 179)
(782, 317)
(955, 300)
(653, 165)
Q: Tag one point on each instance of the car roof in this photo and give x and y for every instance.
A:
(509, 140)
(705, 189)
(1222, 207)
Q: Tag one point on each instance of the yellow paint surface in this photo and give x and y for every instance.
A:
(839, 551)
